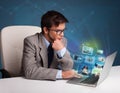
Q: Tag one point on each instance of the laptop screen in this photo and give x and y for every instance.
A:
(91, 65)
(90, 61)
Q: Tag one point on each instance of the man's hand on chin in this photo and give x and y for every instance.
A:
(58, 44)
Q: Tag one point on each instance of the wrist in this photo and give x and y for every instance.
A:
(63, 74)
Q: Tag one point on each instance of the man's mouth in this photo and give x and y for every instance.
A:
(59, 38)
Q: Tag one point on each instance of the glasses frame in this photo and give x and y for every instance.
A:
(59, 32)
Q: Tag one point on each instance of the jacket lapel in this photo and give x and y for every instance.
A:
(43, 51)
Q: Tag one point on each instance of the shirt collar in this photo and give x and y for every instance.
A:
(46, 41)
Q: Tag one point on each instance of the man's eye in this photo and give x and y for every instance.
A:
(58, 31)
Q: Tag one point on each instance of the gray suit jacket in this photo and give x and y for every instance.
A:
(35, 59)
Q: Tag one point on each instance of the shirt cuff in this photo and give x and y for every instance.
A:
(61, 52)
(59, 74)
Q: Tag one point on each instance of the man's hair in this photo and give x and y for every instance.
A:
(52, 18)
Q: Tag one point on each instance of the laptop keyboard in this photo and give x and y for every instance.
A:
(91, 80)
(75, 79)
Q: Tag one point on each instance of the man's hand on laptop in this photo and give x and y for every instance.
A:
(78, 75)
(70, 74)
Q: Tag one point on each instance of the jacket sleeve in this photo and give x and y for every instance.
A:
(66, 61)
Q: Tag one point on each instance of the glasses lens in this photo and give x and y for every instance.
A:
(57, 31)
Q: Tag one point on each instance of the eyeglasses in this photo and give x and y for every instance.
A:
(59, 32)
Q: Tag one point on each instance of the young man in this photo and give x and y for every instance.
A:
(40, 63)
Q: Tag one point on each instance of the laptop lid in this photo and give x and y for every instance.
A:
(107, 67)
(104, 73)
(93, 80)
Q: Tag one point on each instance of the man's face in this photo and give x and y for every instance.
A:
(55, 32)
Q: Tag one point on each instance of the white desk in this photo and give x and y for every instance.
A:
(21, 85)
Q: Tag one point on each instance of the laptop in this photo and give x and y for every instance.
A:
(93, 79)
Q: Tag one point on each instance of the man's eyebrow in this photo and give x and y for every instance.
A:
(61, 29)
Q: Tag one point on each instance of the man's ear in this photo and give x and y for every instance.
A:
(45, 30)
